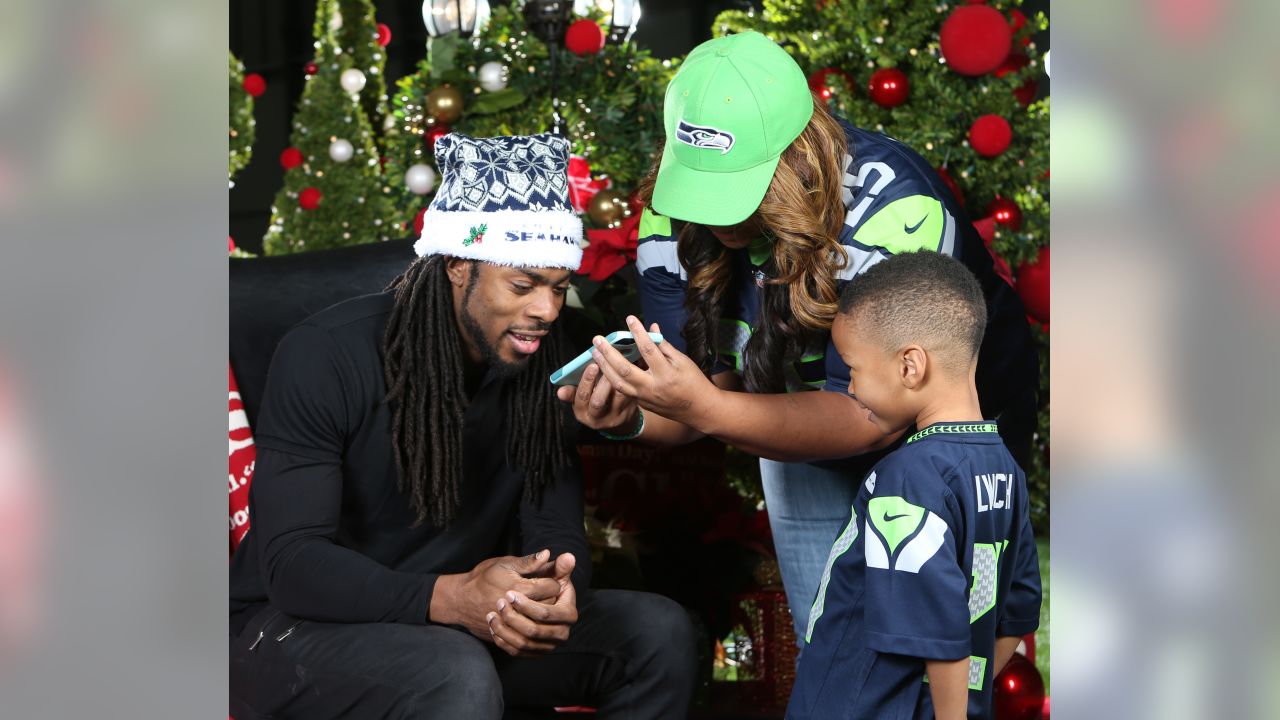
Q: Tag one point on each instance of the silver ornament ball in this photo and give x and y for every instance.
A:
(341, 150)
(492, 76)
(352, 80)
(420, 178)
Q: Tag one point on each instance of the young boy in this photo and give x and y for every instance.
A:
(929, 588)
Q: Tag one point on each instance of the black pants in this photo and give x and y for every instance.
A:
(631, 655)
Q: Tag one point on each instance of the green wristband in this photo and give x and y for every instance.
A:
(631, 435)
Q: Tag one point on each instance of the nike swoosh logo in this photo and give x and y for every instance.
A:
(891, 518)
(915, 227)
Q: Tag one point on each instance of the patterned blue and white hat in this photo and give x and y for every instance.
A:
(503, 200)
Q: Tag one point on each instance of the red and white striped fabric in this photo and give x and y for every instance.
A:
(241, 455)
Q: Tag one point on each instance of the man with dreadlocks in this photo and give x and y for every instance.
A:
(409, 448)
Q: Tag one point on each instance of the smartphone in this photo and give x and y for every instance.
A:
(622, 341)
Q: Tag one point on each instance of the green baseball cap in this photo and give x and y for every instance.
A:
(735, 105)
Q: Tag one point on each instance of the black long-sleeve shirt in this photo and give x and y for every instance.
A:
(330, 536)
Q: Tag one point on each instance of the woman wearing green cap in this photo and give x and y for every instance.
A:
(762, 207)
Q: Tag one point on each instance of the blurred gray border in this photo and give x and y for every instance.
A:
(113, 327)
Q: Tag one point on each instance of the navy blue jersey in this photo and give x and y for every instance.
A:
(937, 561)
(895, 202)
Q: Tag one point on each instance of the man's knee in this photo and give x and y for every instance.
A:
(463, 683)
(665, 636)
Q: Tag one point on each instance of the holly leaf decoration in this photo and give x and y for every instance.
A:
(498, 101)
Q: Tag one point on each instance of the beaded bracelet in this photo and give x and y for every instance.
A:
(629, 436)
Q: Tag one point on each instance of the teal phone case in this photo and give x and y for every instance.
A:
(622, 341)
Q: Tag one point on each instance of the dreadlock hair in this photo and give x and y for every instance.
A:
(423, 368)
(802, 214)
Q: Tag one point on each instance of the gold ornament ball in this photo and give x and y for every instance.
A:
(607, 207)
(444, 104)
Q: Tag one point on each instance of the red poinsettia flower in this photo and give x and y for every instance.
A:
(610, 249)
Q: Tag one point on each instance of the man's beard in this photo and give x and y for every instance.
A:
(489, 351)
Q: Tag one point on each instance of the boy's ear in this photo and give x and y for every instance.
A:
(913, 366)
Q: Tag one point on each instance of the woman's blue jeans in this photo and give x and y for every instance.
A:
(808, 507)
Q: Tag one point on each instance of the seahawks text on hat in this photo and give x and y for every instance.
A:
(704, 137)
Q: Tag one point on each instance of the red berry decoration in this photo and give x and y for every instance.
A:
(990, 135)
(434, 133)
(1026, 92)
(1012, 64)
(311, 68)
(290, 158)
(889, 87)
(822, 81)
(1018, 691)
(309, 198)
(950, 182)
(1017, 19)
(231, 244)
(1033, 288)
(1006, 213)
(584, 37)
(384, 35)
(976, 39)
(254, 84)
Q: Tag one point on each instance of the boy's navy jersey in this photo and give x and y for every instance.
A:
(895, 202)
(937, 561)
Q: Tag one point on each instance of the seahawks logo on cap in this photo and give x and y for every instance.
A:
(704, 137)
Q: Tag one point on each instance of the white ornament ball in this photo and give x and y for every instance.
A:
(352, 80)
(420, 178)
(341, 150)
(492, 76)
(335, 21)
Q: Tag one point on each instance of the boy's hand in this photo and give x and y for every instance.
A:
(522, 626)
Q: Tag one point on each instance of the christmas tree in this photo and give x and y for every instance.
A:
(333, 193)
(240, 124)
(955, 82)
(360, 37)
(500, 83)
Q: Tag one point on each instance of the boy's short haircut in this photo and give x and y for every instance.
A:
(921, 297)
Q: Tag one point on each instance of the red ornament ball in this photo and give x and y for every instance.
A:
(976, 39)
(384, 35)
(434, 133)
(418, 221)
(584, 37)
(309, 198)
(290, 158)
(990, 135)
(821, 81)
(1005, 213)
(1033, 288)
(311, 68)
(1018, 691)
(254, 84)
(889, 87)
(950, 182)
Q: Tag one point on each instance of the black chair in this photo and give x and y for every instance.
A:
(269, 295)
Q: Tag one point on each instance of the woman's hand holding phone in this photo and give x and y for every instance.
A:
(596, 405)
(672, 386)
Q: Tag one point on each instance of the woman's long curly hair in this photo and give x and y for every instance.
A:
(802, 214)
(423, 368)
